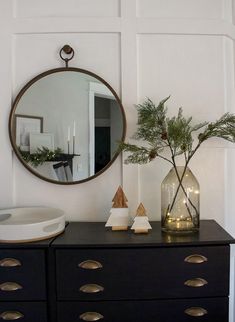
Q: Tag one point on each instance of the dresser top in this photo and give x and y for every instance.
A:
(37, 244)
(94, 234)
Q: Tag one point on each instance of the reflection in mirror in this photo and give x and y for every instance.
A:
(66, 125)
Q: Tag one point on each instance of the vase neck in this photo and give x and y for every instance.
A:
(180, 169)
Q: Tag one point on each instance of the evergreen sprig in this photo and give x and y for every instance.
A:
(160, 132)
(40, 156)
(223, 128)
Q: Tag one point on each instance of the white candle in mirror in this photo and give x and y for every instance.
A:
(68, 133)
(74, 128)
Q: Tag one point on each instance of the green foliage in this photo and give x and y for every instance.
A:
(41, 155)
(224, 128)
(160, 133)
(138, 154)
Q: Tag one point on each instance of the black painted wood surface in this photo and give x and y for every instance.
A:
(32, 311)
(39, 244)
(94, 234)
(153, 273)
(146, 311)
(31, 275)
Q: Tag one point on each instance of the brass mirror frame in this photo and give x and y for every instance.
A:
(22, 92)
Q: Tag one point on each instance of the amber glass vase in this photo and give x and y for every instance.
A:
(180, 198)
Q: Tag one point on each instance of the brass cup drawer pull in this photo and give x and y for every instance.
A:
(196, 282)
(91, 316)
(9, 262)
(195, 311)
(91, 288)
(90, 264)
(10, 287)
(196, 259)
(11, 315)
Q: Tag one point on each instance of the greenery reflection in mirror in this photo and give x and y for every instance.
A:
(66, 124)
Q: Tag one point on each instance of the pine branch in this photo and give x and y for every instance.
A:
(40, 156)
(151, 121)
(175, 134)
(223, 128)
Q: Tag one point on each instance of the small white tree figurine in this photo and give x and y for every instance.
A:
(141, 222)
(119, 213)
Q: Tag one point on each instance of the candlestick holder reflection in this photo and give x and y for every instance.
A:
(68, 147)
(74, 144)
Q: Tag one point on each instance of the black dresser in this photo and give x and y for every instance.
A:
(23, 281)
(90, 273)
(123, 277)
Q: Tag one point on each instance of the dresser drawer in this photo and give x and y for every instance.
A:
(142, 273)
(23, 311)
(211, 310)
(22, 275)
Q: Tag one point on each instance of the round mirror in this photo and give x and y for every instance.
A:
(66, 124)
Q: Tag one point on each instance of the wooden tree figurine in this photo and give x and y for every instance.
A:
(119, 213)
(141, 223)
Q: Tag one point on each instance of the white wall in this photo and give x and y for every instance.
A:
(152, 48)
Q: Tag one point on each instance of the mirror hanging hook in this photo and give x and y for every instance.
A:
(68, 51)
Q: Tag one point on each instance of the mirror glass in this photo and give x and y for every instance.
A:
(66, 125)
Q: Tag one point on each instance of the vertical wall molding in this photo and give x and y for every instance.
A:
(227, 13)
(129, 91)
(6, 174)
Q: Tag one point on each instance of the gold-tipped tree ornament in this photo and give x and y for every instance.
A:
(119, 213)
(158, 134)
(141, 223)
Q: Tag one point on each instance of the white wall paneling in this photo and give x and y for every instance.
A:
(72, 8)
(6, 172)
(191, 9)
(130, 177)
(197, 59)
(143, 48)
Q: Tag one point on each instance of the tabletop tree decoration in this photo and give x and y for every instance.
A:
(141, 222)
(158, 134)
(119, 213)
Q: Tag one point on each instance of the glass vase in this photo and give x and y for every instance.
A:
(180, 198)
